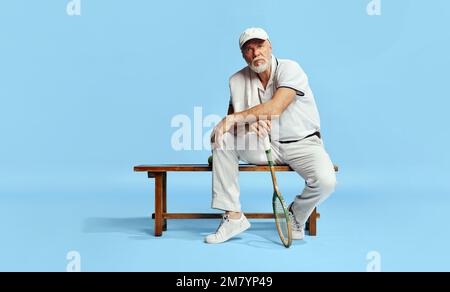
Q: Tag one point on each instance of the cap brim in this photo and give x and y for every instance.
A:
(256, 38)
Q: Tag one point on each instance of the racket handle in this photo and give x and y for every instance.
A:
(266, 142)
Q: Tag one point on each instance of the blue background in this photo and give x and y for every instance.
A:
(85, 98)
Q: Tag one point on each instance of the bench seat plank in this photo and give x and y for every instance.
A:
(206, 167)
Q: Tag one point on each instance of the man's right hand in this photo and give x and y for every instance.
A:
(221, 128)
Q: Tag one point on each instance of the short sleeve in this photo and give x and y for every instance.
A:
(291, 75)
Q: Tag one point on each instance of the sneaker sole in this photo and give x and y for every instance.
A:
(248, 225)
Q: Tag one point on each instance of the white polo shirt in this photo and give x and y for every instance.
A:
(301, 117)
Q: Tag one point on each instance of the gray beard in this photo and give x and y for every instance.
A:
(261, 68)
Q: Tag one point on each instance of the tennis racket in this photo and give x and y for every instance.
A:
(282, 219)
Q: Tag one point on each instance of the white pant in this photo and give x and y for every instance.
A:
(307, 157)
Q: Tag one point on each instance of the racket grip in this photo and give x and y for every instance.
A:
(266, 144)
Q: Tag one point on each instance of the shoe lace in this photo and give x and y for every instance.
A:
(225, 218)
(295, 224)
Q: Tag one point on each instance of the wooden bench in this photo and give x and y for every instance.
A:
(159, 173)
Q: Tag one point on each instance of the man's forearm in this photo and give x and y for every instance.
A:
(270, 110)
(264, 111)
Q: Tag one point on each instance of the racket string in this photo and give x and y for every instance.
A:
(281, 218)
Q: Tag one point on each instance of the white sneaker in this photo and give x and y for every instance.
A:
(298, 230)
(228, 228)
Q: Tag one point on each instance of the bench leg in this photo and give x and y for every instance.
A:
(164, 198)
(159, 177)
(313, 222)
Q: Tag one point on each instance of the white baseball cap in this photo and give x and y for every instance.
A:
(252, 33)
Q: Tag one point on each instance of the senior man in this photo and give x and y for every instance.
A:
(268, 92)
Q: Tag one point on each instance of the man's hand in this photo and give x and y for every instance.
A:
(261, 128)
(221, 128)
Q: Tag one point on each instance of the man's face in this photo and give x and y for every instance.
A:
(258, 54)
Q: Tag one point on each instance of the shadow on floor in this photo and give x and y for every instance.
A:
(262, 234)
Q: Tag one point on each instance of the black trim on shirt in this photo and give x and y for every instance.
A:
(298, 92)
